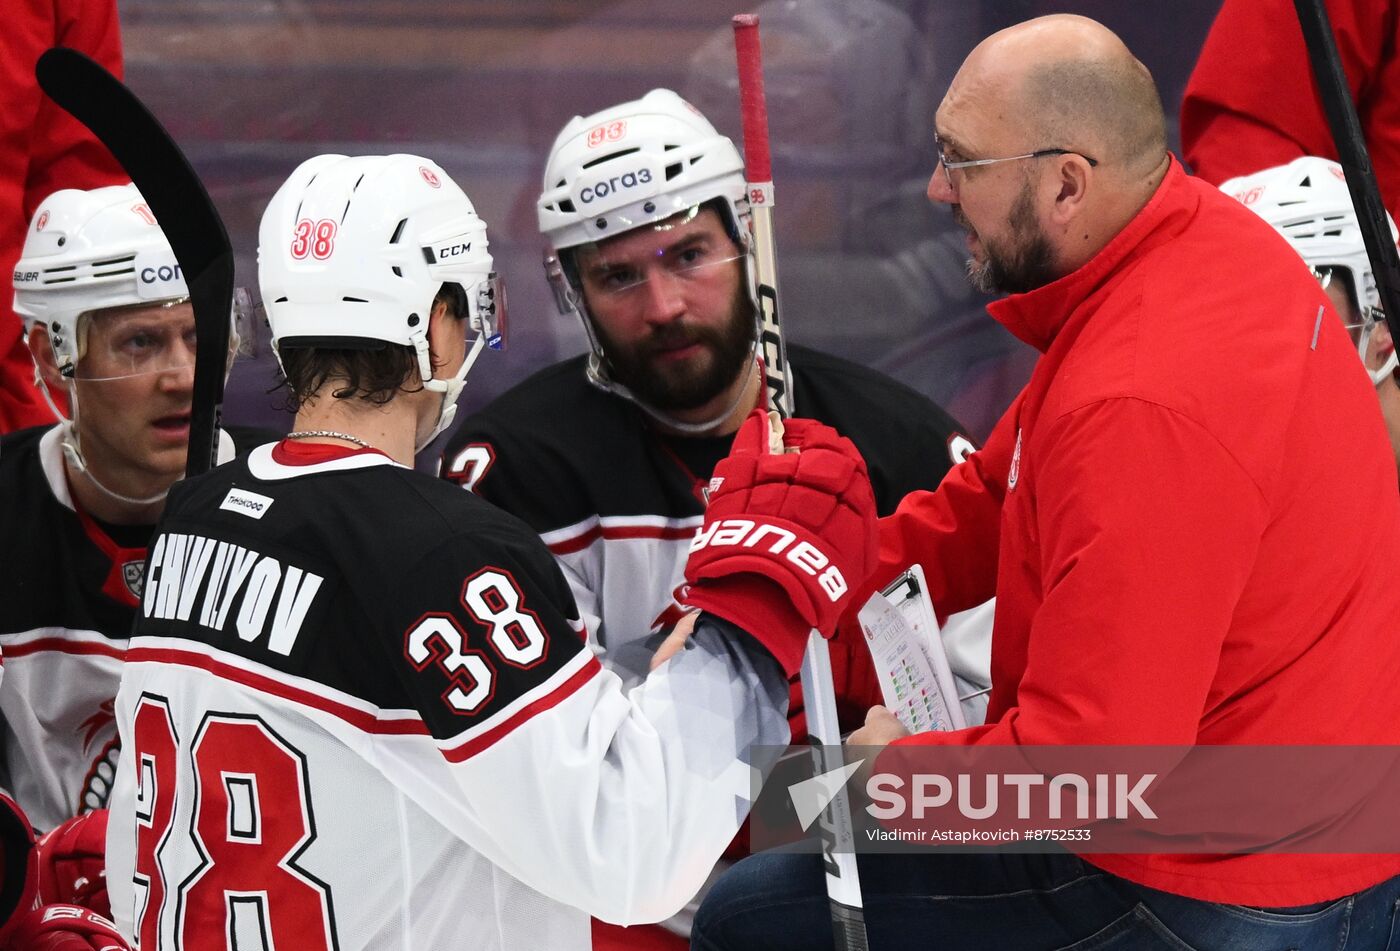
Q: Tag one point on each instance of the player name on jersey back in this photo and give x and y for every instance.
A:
(201, 579)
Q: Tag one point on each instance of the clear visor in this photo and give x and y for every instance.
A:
(1363, 323)
(490, 323)
(123, 342)
(624, 268)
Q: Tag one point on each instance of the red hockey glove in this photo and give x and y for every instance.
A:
(63, 928)
(70, 865)
(787, 537)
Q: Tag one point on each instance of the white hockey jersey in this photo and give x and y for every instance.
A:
(359, 711)
(67, 598)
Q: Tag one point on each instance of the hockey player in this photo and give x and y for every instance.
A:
(359, 709)
(1307, 202)
(112, 334)
(1148, 513)
(607, 455)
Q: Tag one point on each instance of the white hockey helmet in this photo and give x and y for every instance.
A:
(89, 251)
(1307, 202)
(634, 164)
(353, 251)
(631, 165)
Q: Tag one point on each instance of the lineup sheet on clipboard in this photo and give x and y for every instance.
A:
(902, 632)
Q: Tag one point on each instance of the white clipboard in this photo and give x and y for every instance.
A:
(901, 630)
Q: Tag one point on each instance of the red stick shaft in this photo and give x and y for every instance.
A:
(753, 105)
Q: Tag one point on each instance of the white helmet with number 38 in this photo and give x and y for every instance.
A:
(1307, 201)
(89, 251)
(634, 164)
(353, 251)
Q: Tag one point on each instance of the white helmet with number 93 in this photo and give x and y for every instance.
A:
(635, 164)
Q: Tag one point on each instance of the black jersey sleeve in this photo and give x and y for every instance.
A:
(488, 633)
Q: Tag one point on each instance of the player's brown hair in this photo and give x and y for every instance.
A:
(373, 375)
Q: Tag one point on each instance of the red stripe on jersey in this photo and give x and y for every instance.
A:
(361, 720)
(64, 646)
(482, 741)
(613, 532)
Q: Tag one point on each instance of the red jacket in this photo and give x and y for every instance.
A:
(42, 149)
(1251, 102)
(1189, 520)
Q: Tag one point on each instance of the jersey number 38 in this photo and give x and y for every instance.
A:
(251, 821)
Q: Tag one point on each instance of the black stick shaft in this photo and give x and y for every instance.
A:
(177, 198)
(1351, 151)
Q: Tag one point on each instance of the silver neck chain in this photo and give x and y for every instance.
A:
(329, 434)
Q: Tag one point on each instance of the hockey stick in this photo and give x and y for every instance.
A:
(818, 692)
(179, 202)
(1355, 160)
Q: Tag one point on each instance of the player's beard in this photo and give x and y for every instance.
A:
(1015, 270)
(727, 350)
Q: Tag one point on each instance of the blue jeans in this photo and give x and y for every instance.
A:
(1019, 902)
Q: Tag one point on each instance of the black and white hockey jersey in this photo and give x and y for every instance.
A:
(618, 503)
(359, 711)
(67, 597)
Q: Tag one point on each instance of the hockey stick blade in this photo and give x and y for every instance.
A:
(1355, 160)
(179, 202)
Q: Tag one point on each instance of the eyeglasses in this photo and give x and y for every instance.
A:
(948, 166)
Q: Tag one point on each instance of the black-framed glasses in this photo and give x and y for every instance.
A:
(1038, 153)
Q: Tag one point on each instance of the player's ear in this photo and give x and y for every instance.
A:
(41, 348)
(446, 343)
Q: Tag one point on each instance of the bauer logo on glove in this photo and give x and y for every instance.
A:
(789, 532)
(745, 533)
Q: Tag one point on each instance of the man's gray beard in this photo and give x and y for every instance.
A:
(979, 275)
(1027, 268)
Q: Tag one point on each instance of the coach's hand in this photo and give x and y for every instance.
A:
(788, 537)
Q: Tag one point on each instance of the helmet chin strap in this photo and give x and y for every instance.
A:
(1378, 376)
(73, 455)
(450, 388)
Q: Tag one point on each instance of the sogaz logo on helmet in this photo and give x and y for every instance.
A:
(158, 276)
(616, 183)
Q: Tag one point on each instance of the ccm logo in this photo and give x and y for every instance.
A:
(744, 533)
(615, 184)
(246, 503)
(166, 272)
(452, 250)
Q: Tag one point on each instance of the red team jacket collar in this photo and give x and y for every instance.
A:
(1037, 316)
